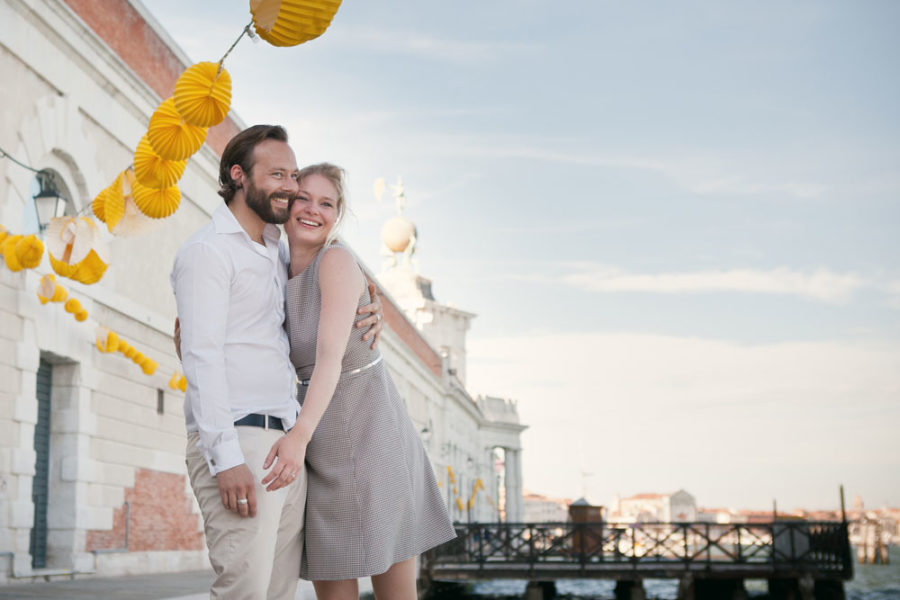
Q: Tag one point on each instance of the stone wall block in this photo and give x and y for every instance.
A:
(23, 460)
(9, 376)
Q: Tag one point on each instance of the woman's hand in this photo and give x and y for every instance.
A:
(287, 455)
(375, 320)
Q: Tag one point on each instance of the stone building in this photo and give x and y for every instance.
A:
(92, 475)
(672, 507)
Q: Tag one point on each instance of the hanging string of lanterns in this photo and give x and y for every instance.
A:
(108, 341)
(148, 189)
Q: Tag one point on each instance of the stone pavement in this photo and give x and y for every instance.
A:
(192, 585)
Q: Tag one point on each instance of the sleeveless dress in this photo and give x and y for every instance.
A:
(372, 495)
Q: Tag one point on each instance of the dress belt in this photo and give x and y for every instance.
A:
(351, 371)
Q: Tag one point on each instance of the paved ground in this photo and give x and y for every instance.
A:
(136, 587)
(192, 585)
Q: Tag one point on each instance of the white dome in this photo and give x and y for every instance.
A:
(397, 233)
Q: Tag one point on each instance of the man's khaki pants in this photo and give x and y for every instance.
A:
(254, 558)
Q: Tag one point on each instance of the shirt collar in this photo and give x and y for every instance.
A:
(225, 222)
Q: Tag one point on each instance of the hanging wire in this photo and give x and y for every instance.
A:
(5, 154)
(245, 31)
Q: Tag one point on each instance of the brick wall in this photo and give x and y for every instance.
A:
(118, 24)
(161, 517)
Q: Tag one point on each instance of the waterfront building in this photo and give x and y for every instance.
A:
(671, 507)
(537, 508)
(92, 475)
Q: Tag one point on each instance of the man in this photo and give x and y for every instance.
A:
(229, 280)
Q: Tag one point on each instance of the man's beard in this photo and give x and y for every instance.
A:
(262, 204)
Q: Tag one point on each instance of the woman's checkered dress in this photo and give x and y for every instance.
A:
(373, 500)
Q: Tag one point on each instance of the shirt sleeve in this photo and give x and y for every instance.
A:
(201, 279)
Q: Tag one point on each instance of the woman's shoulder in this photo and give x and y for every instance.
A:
(338, 258)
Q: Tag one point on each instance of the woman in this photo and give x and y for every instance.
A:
(373, 503)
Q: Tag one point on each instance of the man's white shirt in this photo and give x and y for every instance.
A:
(235, 351)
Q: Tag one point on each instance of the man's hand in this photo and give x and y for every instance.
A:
(176, 337)
(375, 320)
(287, 454)
(237, 490)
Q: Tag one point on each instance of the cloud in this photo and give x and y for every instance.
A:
(733, 424)
(425, 46)
(820, 284)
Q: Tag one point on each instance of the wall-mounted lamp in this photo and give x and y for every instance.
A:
(48, 202)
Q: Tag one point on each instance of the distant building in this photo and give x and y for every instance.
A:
(544, 509)
(677, 506)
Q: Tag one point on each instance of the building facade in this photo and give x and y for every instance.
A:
(674, 507)
(92, 474)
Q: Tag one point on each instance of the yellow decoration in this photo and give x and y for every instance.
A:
(450, 473)
(113, 199)
(107, 341)
(459, 504)
(76, 249)
(29, 251)
(149, 366)
(3, 233)
(178, 381)
(50, 291)
(156, 204)
(478, 485)
(73, 306)
(171, 136)
(9, 252)
(292, 22)
(98, 205)
(203, 94)
(471, 503)
(153, 171)
(81, 315)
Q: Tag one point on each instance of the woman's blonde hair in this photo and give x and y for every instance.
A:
(336, 175)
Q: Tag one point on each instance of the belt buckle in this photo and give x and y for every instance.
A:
(266, 422)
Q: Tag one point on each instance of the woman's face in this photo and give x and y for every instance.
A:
(313, 212)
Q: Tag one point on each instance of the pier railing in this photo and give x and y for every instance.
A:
(780, 548)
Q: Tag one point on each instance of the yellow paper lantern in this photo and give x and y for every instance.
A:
(153, 171)
(3, 233)
(73, 306)
(98, 205)
(203, 94)
(81, 315)
(29, 251)
(156, 204)
(50, 291)
(149, 366)
(106, 340)
(9, 252)
(171, 136)
(173, 381)
(112, 199)
(292, 22)
(76, 249)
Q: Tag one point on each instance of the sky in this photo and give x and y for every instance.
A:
(676, 222)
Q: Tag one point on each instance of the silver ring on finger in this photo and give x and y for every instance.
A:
(243, 501)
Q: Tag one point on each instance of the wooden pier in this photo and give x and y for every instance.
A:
(801, 560)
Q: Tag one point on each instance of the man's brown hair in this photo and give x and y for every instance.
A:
(239, 151)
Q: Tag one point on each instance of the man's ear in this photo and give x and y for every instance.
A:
(237, 175)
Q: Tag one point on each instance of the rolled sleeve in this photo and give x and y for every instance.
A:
(201, 279)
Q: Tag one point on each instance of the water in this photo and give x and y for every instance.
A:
(870, 582)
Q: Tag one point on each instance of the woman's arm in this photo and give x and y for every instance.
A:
(341, 283)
